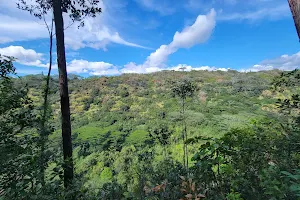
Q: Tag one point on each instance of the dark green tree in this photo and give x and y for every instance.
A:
(19, 157)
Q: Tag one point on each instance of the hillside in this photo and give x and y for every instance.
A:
(128, 104)
(135, 138)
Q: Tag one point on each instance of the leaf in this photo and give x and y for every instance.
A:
(292, 176)
(182, 178)
(295, 188)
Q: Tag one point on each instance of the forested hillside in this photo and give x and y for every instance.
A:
(165, 135)
(113, 107)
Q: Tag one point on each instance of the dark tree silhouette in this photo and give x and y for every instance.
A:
(295, 9)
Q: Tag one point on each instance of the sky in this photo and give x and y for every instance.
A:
(145, 36)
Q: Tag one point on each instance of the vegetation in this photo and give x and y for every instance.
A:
(131, 134)
(78, 9)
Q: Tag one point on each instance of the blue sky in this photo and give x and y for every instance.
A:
(144, 36)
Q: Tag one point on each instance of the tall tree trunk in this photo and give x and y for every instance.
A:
(64, 93)
(295, 9)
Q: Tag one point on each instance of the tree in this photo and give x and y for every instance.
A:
(289, 106)
(184, 89)
(44, 130)
(64, 92)
(18, 170)
(77, 9)
(295, 9)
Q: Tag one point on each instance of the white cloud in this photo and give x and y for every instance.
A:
(190, 36)
(17, 25)
(269, 12)
(284, 62)
(24, 56)
(198, 33)
(133, 68)
(138, 69)
(189, 68)
(93, 68)
(94, 35)
(97, 32)
(30, 57)
(18, 29)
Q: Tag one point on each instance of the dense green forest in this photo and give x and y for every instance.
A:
(165, 135)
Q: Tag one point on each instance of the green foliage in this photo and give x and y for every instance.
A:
(137, 137)
(184, 88)
(294, 182)
(18, 159)
(160, 133)
(233, 196)
(244, 157)
(128, 142)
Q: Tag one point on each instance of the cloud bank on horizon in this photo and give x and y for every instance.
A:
(22, 34)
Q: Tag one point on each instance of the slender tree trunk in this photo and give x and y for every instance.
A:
(64, 93)
(44, 135)
(185, 137)
(48, 76)
(183, 134)
(186, 148)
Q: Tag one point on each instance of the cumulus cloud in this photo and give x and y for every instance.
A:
(284, 62)
(94, 35)
(18, 29)
(190, 36)
(97, 32)
(30, 57)
(189, 68)
(24, 56)
(93, 68)
(16, 25)
(138, 69)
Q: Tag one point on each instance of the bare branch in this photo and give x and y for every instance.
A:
(46, 24)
